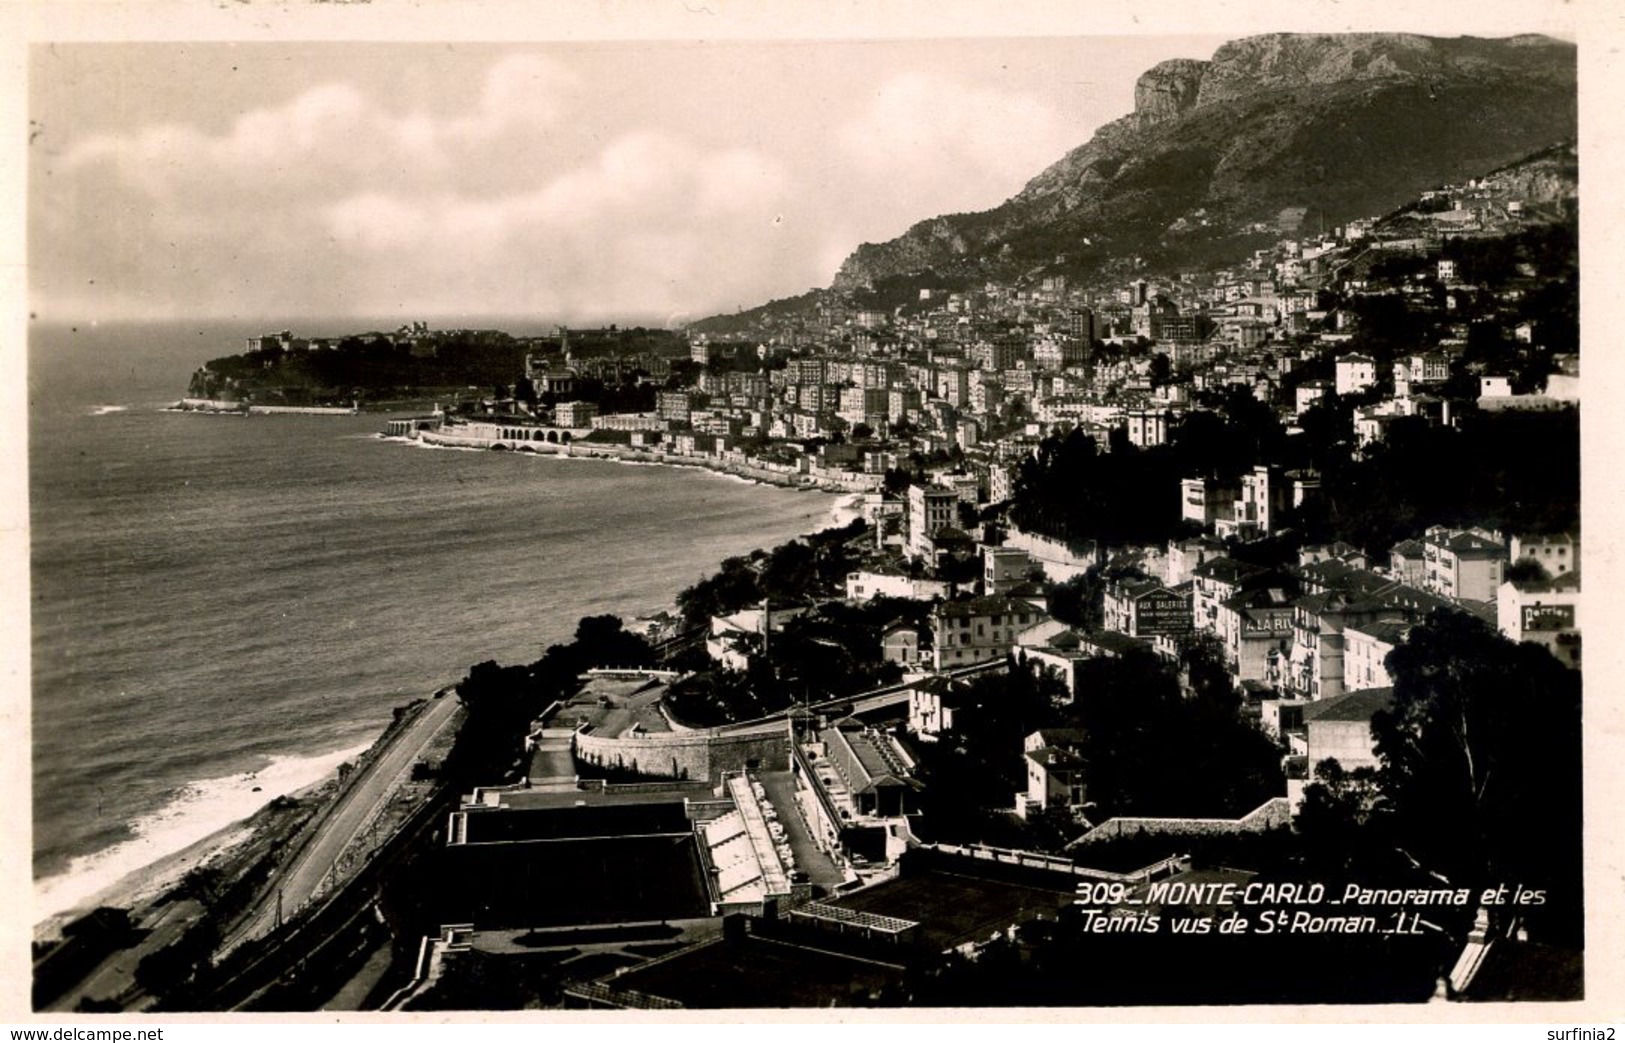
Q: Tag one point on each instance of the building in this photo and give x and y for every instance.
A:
(1150, 315)
(1255, 628)
(1463, 563)
(1217, 581)
(1185, 555)
(1004, 569)
(900, 644)
(1146, 427)
(873, 774)
(1365, 652)
(628, 422)
(1354, 373)
(1308, 393)
(1146, 608)
(1055, 779)
(805, 371)
(1266, 494)
(863, 405)
(1558, 554)
(1432, 367)
(1059, 653)
(283, 340)
(1319, 624)
(931, 509)
(1205, 500)
(575, 414)
(1407, 562)
(933, 707)
(976, 630)
(676, 406)
(953, 386)
(1339, 728)
(866, 584)
(1545, 613)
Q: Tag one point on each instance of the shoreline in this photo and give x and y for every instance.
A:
(139, 888)
(762, 474)
(143, 885)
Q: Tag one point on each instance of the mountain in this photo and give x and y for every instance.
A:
(1272, 132)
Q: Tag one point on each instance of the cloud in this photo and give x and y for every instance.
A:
(333, 135)
(527, 190)
(653, 223)
(332, 199)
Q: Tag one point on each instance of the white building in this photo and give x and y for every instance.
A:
(1355, 373)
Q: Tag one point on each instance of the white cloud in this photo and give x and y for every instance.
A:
(333, 197)
(652, 223)
(332, 136)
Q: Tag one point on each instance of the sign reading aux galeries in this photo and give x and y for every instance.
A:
(1162, 612)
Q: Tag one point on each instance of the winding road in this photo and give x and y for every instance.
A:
(344, 820)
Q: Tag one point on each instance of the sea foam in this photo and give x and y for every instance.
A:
(197, 812)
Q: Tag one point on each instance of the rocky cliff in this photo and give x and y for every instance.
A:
(1348, 125)
(1168, 90)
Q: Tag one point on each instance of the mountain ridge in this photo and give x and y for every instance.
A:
(1345, 124)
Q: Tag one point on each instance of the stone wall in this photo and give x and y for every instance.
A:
(1275, 813)
(688, 755)
(1061, 560)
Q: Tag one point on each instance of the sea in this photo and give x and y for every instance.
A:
(226, 608)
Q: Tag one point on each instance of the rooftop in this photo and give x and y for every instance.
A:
(1113, 642)
(1389, 632)
(1359, 705)
(985, 606)
(1228, 570)
(878, 759)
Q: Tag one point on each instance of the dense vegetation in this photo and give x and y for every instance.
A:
(373, 365)
(792, 572)
(502, 701)
(1480, 781)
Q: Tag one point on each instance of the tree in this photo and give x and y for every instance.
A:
(1336, 819)
(603, 641)
(1161, 370)
(1481, 763)
(1526, 570)
(1078, 601)
(1052, 829)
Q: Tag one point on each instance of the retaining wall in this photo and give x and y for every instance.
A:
(688, 755)
(1275, 813)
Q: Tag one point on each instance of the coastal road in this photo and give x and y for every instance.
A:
(351, 813)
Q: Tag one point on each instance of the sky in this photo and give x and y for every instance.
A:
(657, 160)
(654, 179)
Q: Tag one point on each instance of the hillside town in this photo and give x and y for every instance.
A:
(1148, 580)
(938, 413)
